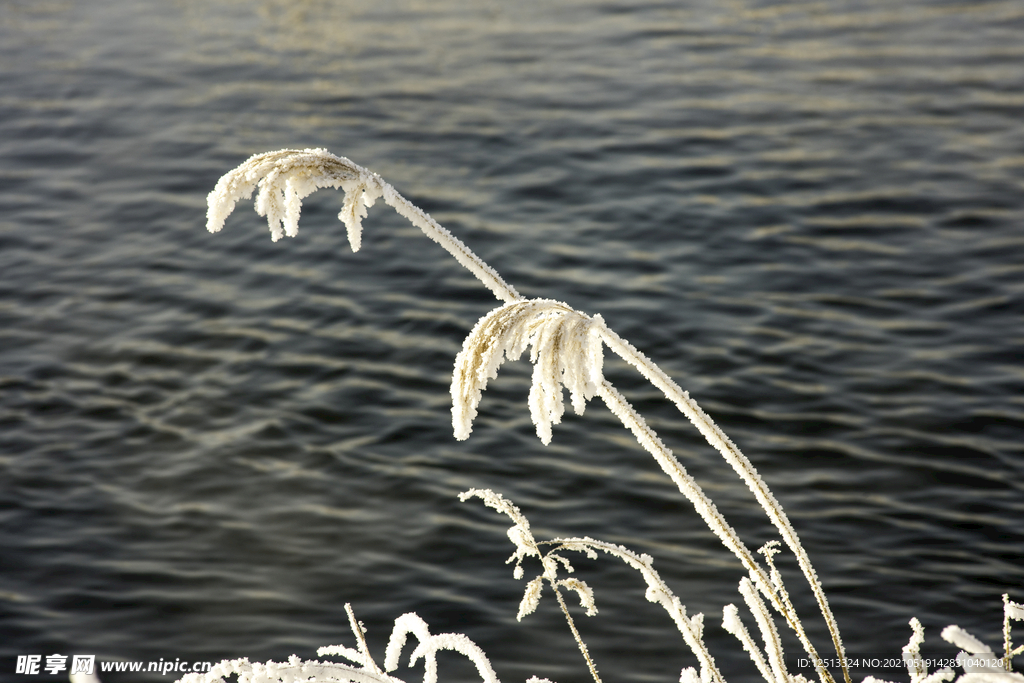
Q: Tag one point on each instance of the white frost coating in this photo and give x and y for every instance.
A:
(292, 671)
(961, 638)
(689, 675)
(531, 597)
(410, 622)
(1012, 610)
(284, 179)
(912, 653)
(519, 533)
(458, 643)
(288, 176)
(360, 656)
(770, 636)
(731, 623)
(357, 201)
(298, 671)
(346, 652)
(566, 351)
(452, 244)
(428, 647)
(526, 546)
(585, 593)
(657, 591)
(976, 657)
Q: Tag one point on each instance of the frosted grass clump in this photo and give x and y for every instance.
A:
(567, 350)
(691, 628)
(365, 670)
(979, 663)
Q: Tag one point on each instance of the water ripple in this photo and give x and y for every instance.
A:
(808, 215)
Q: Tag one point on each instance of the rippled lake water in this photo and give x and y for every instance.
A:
(810, 214)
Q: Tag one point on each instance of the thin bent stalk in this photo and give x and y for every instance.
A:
(632, 420)
(739, 462)
(772, 642)
(576, 634)
(452, 244)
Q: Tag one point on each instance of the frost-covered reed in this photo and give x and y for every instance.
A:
(567, 350)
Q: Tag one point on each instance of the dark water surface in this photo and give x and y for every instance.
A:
(810, 214)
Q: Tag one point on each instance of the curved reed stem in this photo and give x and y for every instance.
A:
(646, 437)
(452, 244)
(742, 466)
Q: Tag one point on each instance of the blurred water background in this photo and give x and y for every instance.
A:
(810, 214)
